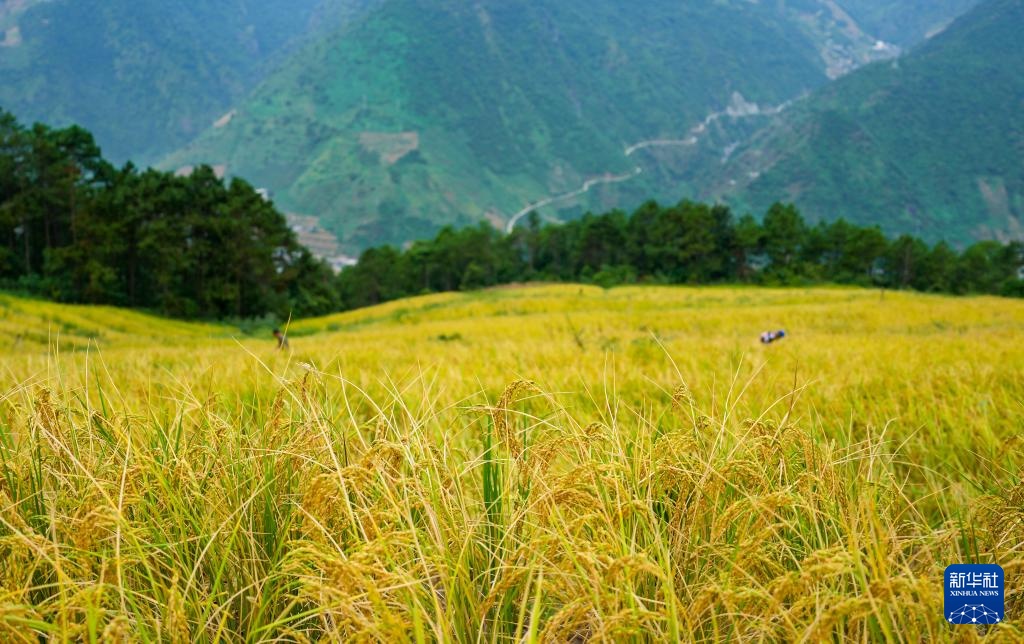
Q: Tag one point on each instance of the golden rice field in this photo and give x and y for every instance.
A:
(544, 464)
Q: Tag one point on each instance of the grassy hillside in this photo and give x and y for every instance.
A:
(931, 144)
(145, 76)
(536, 464)
(428, 113)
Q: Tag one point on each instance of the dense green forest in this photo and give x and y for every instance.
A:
(689, 243)
(75, 228)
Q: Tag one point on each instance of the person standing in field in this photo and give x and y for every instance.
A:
(282, 340)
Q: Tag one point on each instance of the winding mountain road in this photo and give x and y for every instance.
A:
(657, 143)
(738, 108)
(590, 183)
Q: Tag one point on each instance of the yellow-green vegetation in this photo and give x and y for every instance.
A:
(26, 326)
(538, 464)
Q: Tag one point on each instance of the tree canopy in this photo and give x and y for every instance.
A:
(686, 243)
(77, 229)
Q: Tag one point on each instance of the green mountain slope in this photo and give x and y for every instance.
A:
(931, 144)
(145, 75)
(424, 113)
(906, 22)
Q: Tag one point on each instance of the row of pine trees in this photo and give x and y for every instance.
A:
(687, 243)
(74, 228)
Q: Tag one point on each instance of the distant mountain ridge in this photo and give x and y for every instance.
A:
(906, 22)
(931, 144)
(429, 113)
(390, 118)
(145, 75)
